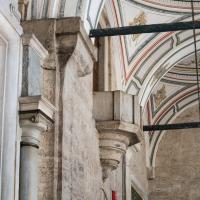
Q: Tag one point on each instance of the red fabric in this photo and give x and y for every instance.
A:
(114, 195)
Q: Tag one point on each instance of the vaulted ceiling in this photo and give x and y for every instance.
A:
(146, 58)
(143, 59)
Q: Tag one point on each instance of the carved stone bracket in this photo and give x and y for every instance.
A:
(73, 41)
(117, 118)
(114, 138)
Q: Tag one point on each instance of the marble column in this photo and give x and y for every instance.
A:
(36, 116)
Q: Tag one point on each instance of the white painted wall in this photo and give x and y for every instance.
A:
(10, 62)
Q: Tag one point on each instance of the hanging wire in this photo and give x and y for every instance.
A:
(195, 53)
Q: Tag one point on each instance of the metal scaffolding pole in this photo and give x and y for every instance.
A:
(151, 28)
(162, 127)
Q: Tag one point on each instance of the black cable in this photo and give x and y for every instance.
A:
(195, 53)
(188, 1)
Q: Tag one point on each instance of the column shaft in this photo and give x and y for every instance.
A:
(29, 172)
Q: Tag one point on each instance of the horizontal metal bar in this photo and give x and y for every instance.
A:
(162, 127)
(188, 1)
(151, 28)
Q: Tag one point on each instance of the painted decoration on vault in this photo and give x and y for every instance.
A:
(141, 19)
(135, 14)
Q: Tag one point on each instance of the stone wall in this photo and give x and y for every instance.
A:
(177, 174)
(137, 169)
(81, 171)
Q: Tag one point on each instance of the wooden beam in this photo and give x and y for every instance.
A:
(151, 28)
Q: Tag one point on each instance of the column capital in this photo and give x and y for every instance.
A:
(114, 138)
(36, 116)
(117, 116)
(119, 128)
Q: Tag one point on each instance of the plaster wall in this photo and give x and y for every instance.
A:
(177, 163)
(10, 56)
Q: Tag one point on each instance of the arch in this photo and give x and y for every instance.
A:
(188, 100)
(156, 58)
(152, 70)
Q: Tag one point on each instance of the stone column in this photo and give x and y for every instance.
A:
(36, 115)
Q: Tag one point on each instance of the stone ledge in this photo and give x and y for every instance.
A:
(39, 104)
(119, 127)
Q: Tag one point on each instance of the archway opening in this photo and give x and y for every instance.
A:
(177, 162)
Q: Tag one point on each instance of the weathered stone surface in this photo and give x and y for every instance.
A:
(34, 55)
(80, 160)
(136, 170)
(70, 166)
(46, 167)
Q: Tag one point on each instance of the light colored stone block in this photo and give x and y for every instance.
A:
(103, 106)
(34, 55)
(34, 103)
(116, 105)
